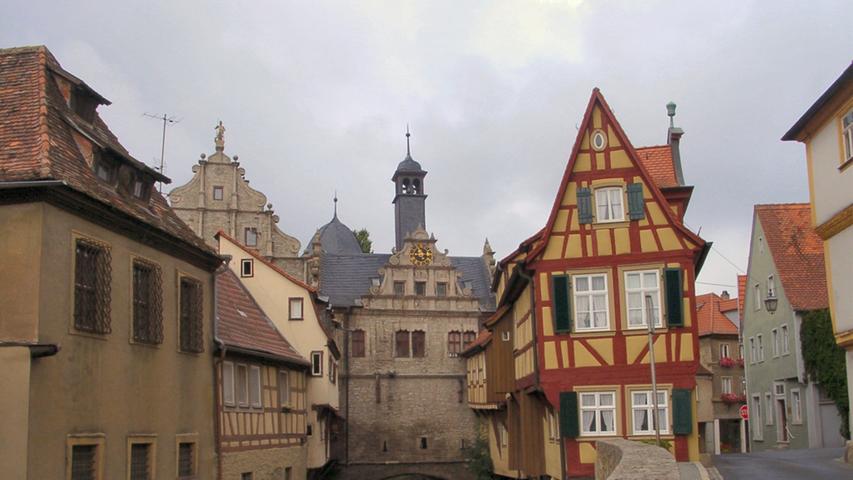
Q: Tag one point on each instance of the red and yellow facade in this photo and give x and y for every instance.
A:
(613, 256)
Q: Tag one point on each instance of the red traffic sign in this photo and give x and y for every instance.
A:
(744, 412)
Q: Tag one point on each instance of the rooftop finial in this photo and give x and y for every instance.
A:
(670, 111)
(336, 204)
(408, 150)
(219, 139)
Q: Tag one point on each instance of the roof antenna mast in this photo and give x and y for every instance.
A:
(167, 120)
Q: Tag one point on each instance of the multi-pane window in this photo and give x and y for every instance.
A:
(84, 460)
(186, 460)
(401, 343)
(468, 338)
(774, 335)
(228, 383)
(399, 288)
(140, 189)
(104, 171)
(357, 342)
(757, 292)
(255, 386)
(643, 292)
(218, 192)
(441, 289)
(752, 355)
(295, 309)
(317, 364)
(598, 413)
(333, 370)
(140, 461)
(608, 203)
(147, 303)
(768, 407)
(755, 414)
(785, 340)
(726, 384)
(553, 430)
(847, 135)
(724, 350)
(418, 343)
(251, 237)
(92, 276)
(796, 407)
(591, 306)
(771, 286)
(191, 326)
(643, 412)
(420, 288)
(454, 343)
(283, 388)
(760, 340)
(243, 385)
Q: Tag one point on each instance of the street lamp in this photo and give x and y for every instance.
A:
(771, 302)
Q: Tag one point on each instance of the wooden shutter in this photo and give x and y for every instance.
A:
(561, 299)
(674, 295)
(569, 425)
(682, 412)
(584, 205)
(635, 201)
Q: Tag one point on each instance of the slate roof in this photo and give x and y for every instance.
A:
(797, 253)
(710, 315)
(337, 239)
(36, 141)
(409, 165)
(346, 278)
(658, 162)
(241, 323)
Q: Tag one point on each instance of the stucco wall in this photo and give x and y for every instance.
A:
(831, 187)
(20, 242)
(106, 384)
(620, 459)
(837, 250)
(14, 403)
(265, 464)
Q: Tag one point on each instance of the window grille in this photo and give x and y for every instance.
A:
(83, 458)
(139, 461)
(92, 277)
(192, 329)
(454, 343)
(147, 303)
(418, 343)
(186, 462)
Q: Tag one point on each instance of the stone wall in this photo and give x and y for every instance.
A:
(620, 459)
(266, 463)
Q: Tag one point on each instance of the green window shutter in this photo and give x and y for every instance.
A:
(636, 210)
(569, 425)
(584, 205)
(562, 302)
(682, 412)
(674, 302)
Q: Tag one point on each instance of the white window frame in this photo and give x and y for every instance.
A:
(293, 301)
(771, 286)
(228, 380)
(785, 340)
(774, 335)
(757, 424)
(760, 342)
(505, 335)
(643, 290)
(757, 291)
(796, 406)
(247, 272)
(663, 417)
(753, 357)
(726, 385)
(590, 294)
(221, 190)
(255, 374)
(597, 409)
(608, 204)
(242, 396)
(847, 135)
(317, 363)
(284, 388)
(725, 351)
(768, 405)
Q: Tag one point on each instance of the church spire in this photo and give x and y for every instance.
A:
(408, 150)
(335, 200)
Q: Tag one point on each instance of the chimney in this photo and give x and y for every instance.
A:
(725, 295)
(673, 139)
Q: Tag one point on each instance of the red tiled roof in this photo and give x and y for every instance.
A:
(797, 253)
(728, 305)
(241, 323)
(481, 341)
(37, 129)
(710, 316)
(741, 294)
(658, 162)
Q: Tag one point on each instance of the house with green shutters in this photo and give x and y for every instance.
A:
(785, 280)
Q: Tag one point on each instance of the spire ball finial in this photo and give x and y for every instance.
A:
(408, 148)
(335, 200)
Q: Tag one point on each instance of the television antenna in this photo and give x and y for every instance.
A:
(167, 120)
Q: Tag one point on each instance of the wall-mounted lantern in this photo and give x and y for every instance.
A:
(771, 302)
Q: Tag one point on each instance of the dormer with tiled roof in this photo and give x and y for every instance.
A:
(712, 320)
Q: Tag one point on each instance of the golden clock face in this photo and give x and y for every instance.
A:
(420, 255)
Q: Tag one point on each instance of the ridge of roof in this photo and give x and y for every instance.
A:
(794, 132)
(712, 320)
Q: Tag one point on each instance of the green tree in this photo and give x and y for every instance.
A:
(824, 361)
(477, 456)
(363, 237)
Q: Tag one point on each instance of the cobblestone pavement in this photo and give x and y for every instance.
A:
(810, 464)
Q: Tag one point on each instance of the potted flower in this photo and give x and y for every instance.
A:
(732, 398)
(727, 362)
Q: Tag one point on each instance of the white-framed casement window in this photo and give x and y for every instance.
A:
(502, 434)
(785, 340)
(724, 351)
(553, 427)
(228, 384)
(255, 386)
(283, 388)
(771, 286)
(757, 292)
(755, 416)
(247, 267)
(847, 135)
(609, 205)
(760, 340)
(295, 308)
(641, 288)
(642, 412)
(796, 406)
(591, 303)
(242, 385)
(317, 364)
(768, 407)
(752, 354)
(598, 413)
(774, 335)
(725, 385)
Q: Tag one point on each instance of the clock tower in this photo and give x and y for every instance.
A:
(409, 198)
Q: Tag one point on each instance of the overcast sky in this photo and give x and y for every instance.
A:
(316, 96)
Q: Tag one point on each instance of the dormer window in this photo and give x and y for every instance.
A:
(104, 169)
(83, 105)
(141, 188)
(608, 203)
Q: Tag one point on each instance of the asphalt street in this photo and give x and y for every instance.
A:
(811, 464)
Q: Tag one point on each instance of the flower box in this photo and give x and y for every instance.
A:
(727, 362)
(732, 398)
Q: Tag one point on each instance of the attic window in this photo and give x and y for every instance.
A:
(247, 267)
(141, 188)
(598, 140)
(84, 105)
(104, 169)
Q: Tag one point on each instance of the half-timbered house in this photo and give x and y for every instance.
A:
(614, 255)
(261, 390)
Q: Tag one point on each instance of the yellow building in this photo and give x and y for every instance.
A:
(106, 328)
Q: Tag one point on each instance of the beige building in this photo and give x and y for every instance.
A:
(106, 328)
(219, 198)
(827, 131)
(300, 315)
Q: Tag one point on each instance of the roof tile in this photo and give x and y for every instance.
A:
(658, 162)
(710, 315)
